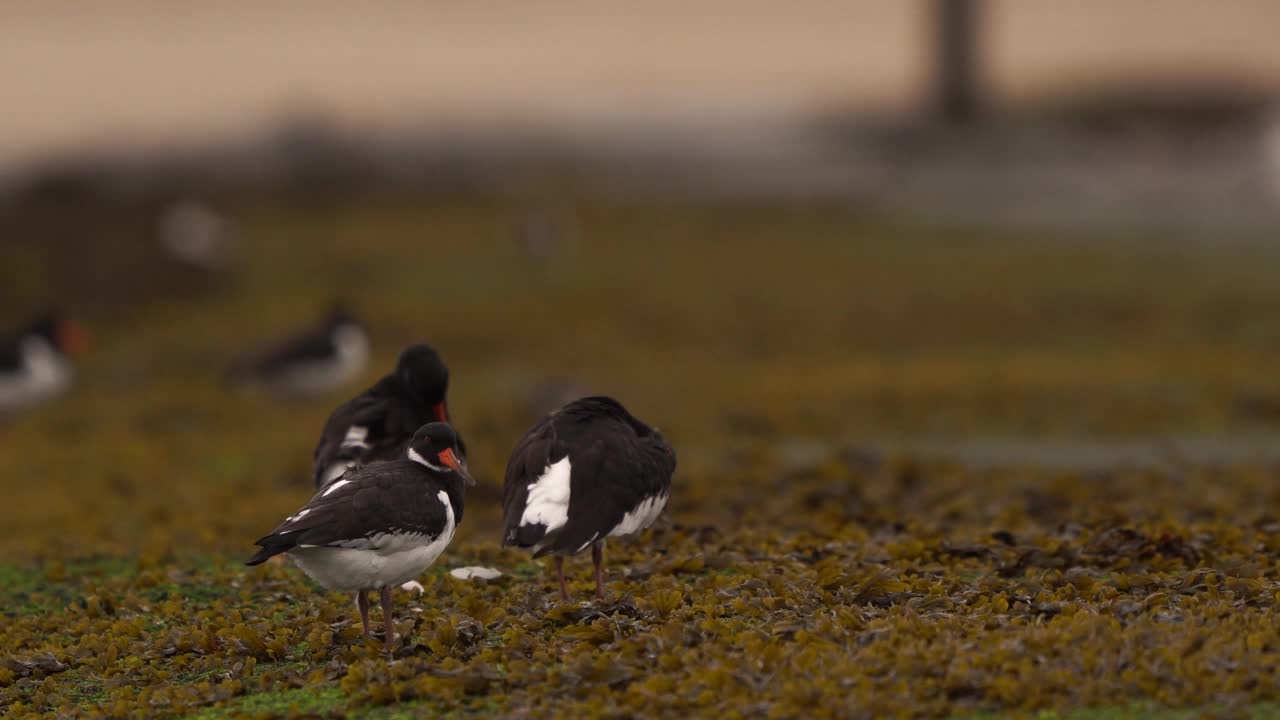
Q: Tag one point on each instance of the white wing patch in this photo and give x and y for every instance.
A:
(641, 516)
(334, 486)
(548, 500)
(334, 472)
(356, 437)
(44, 374)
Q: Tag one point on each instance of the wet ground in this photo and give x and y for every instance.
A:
(925, 469)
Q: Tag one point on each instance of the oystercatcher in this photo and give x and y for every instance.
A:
(381, 524)
(312, 362)
(34, 361)
(378, 423)
(586, 472)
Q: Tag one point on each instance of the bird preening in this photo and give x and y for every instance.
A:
(378, 423)
(390, 474)
(582, 474)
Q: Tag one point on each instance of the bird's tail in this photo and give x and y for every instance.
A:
(525, 535)
(272, 545)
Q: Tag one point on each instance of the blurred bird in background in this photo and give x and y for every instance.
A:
(312, 362)
(35, 360)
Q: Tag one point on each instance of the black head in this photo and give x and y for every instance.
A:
(435, 445)
(60, 332)
(339, 315)
(423, 374)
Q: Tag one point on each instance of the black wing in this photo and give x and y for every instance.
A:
(612, 470)
(375, 425)
(380, 498)
(11, 351)
(354, 432)
(308, 347)
(10, 358)
(538, 449)
(610, 477)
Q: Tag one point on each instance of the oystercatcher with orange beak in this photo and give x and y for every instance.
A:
(379, 525)
(35, 360)
(378, 423)
(584, 473)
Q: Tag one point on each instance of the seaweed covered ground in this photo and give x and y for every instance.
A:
(925, 470)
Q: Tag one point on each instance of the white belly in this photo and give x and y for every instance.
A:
(33, 384)
(339, 568)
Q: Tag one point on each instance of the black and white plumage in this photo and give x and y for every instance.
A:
(381, 524)
(586, 472)
(378, 423)
(35, 360)
(313, 361)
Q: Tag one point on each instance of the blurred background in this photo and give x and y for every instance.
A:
(1095, 107)
(995, 230)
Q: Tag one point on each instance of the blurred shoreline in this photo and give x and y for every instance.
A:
(1223, 174)
(811, 100)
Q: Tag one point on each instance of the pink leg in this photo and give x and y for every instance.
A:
(564, 588)
(387, 620)
(597, 559)
(362, 602)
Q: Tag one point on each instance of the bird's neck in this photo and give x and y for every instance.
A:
(453, 487)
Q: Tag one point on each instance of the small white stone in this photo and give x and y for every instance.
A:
(467, 573)
(413, 586)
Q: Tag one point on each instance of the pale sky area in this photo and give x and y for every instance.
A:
(149, 73)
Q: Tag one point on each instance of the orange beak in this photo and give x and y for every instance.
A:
(452, 462)
(72, 338)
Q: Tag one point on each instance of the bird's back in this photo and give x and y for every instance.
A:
(377, 424)
(578, 472)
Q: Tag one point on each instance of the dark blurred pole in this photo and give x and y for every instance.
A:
(955, 57)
